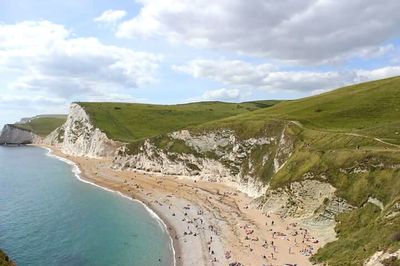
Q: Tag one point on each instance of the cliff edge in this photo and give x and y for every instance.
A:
(79, 137)
(12, 134)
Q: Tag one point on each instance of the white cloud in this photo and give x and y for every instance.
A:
(111, 16)
(218, 95)
(302, 31)
(379, 73)
(231, 72)
(245, 76)
(49, 61)
(43, 67)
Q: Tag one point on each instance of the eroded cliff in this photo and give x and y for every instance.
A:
(12, 134)
(79, 137)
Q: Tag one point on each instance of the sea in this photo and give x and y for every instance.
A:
(50, 217)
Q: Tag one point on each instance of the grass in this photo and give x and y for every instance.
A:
(43, 125)
(358, 232)
(371, 108)
(130, 122)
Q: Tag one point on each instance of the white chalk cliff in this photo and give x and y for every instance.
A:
(217, 156)
(12, 134)
(79, 137)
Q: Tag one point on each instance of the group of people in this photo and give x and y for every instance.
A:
(296, 240)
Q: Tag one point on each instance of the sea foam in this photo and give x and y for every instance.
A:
(77, 172)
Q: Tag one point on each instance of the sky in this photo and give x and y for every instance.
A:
(53, 52)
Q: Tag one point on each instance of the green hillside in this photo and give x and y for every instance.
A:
(43, 125)
(129, 121)
(371, 108)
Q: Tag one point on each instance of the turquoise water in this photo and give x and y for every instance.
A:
(49, 217)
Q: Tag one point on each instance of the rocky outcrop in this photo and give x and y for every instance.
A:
(309, 199)
(79, 137)
(311, 202)
(218, 156)
(5, 259)
(382, 258)
(12, 134)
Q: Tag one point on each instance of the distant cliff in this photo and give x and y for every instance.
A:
(12, 134)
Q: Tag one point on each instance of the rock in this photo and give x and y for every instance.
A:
(79, 137)
(15, 135)
(226, 164)
(380, 256)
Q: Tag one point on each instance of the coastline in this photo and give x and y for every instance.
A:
(79, 174)
(208, 223)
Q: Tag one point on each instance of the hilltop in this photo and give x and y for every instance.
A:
(41, 125)
(129, 122)
(371, 109)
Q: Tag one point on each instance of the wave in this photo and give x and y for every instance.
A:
(77, 172)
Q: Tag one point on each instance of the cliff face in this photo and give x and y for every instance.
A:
(14, 135)
(215, 156)
(79, 137)
(382, 258)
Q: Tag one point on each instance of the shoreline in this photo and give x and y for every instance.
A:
(79, 174)
(208, 223)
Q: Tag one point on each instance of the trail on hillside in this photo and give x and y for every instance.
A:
(297, 123)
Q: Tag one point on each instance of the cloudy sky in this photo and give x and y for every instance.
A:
(172, 51)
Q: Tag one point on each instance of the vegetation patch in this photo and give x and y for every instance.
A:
(129, 122)
(5, 260)
(43, 125)
(362, 232)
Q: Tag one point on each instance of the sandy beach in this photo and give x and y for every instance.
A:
(210, 223)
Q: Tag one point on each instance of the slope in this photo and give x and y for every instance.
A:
(42, 125)
(371, 108)
(129, 121)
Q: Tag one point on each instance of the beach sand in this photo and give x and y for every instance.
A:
(210, 223)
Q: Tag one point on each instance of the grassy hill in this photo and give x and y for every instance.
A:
(129, 122)
(371, 108)
(43, 125)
